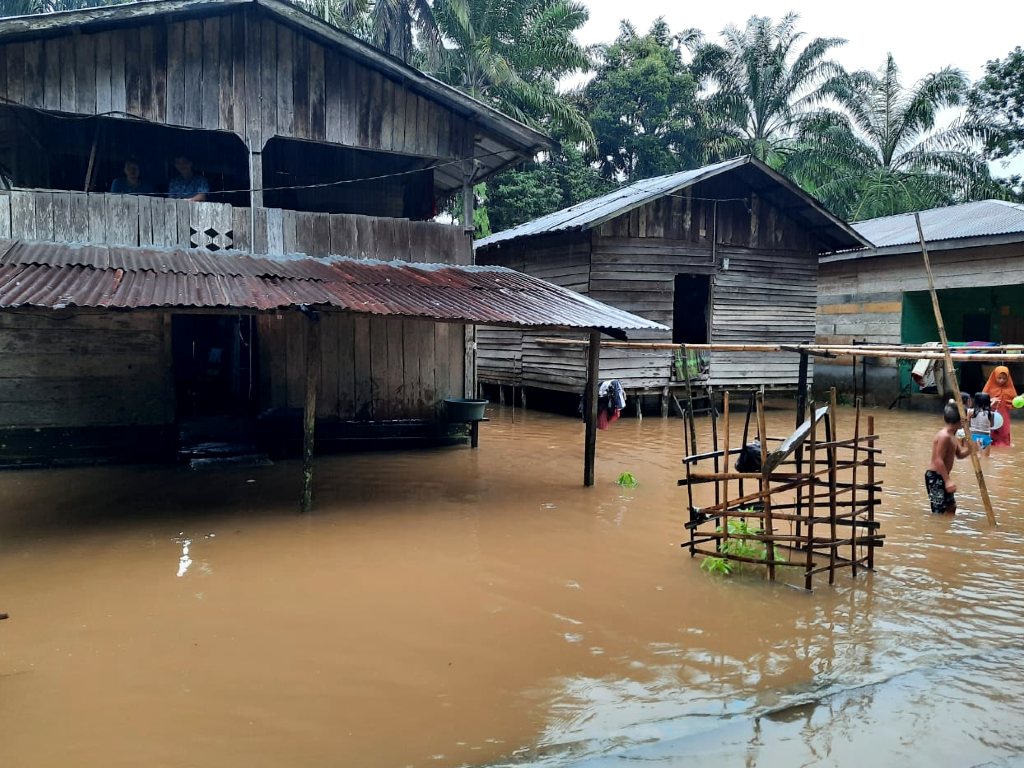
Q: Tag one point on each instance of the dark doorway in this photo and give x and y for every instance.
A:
(214, 365)
(977, 327)
(690, 309)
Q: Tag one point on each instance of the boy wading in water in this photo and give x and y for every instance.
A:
(945, 449)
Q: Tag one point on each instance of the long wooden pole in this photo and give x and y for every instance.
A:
(951, 375)
(309, 415)
(590, 442)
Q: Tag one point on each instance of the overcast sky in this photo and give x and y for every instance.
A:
(922, 37)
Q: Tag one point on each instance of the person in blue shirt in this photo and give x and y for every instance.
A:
(131, 183)
(187, 185)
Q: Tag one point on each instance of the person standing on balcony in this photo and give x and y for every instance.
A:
(132, 182)
(187, 185)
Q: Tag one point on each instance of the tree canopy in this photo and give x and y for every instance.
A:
(641, 105)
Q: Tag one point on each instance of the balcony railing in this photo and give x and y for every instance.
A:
(132, 220)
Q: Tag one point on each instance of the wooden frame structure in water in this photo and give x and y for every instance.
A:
(813, 495)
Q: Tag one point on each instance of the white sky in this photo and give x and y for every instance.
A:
(922, 37)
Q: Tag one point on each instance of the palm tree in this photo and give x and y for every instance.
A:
(760, 84)
(29, 7)
(882, 154)
(512, 53)
(394, 26)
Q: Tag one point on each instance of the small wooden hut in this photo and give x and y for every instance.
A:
(725, 253)
(880, 295)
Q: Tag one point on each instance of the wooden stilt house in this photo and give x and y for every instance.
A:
(124, 318)
(726, 253)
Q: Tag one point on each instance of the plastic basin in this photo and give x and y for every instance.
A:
(464, 409)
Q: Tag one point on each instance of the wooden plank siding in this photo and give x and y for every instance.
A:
(130, 220)
(84, 370)
(767, 293)
(210, 73)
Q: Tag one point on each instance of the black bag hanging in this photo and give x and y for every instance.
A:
(750, 457)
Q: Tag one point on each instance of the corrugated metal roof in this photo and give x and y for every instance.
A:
(60, 276)
(955, 222)
(596, 211)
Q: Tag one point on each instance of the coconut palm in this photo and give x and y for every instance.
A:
(512, 53)
(884, 152)
(28, 7)
(759, 84)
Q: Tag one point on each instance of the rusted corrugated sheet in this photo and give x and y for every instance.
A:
(61, 276)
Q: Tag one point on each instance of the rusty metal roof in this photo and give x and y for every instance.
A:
(61, 276)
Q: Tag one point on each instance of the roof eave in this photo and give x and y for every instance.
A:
(908, 249)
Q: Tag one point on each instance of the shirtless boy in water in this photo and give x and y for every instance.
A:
(945, 448)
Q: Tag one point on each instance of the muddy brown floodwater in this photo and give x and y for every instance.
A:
(456, 607)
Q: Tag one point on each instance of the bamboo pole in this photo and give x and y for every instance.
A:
(871, 486)
(853, 478)
(725, 449)
(812, 451)
(830, 453)
(891, 353)
(769, 527)
(951, 375)
(689, 400)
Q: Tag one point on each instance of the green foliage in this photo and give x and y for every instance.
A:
(538, 188)
(27, 7)
(511, 54)
(997, 104)
(626, 480)
(741, 547)
(759, 83)
(641, 105)
(883, 152)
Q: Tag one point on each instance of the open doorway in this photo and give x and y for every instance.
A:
(214, 366)
(690, 309)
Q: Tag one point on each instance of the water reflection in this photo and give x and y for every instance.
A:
(457, 607)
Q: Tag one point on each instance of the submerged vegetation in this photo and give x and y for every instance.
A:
(626, 480)
(741, 547)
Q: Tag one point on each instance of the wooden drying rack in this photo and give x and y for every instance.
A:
(825, 489)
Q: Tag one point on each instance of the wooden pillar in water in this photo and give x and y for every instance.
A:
(593, 373)
(309, 415)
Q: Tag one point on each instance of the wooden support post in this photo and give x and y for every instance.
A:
(689, 400)
(92, 157)
(871, 486)
(853, 480)
(725, 453)
(830, 452)
(714, 446)
(812, 451)
(255, 182)
(951, 375)
(593, 373)
(801, 415)
(664, 402)
(769, 526)
(309, 415)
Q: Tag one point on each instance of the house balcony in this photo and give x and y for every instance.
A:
(132, 220)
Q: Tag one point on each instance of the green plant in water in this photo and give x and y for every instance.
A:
(626, 480)
(741, 547)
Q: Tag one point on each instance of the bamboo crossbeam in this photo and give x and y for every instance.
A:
(741, 558)
(916, 352)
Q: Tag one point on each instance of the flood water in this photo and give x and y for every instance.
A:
(455, 607)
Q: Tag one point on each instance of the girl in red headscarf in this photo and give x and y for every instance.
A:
(1000, 388)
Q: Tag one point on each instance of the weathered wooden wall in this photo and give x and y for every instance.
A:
(85, 370)
(373, 368)
(862, 299)
(767, 294)
(237, 72)
(511, 356)
(73, 217)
